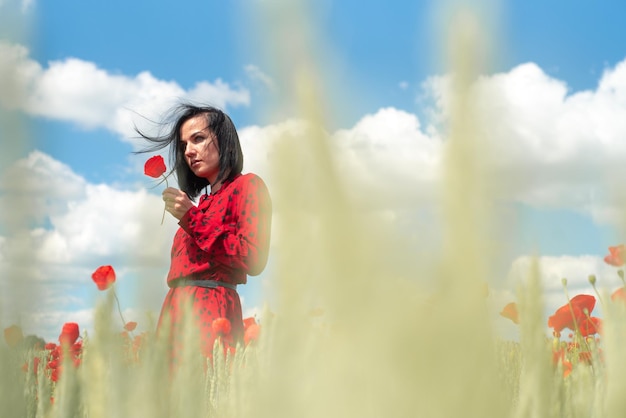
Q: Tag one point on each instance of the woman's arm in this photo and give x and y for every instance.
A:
(238, 240)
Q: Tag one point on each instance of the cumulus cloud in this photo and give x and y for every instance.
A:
(37, 187)
(257, 75)
(69, 228)
(389, 148)
(78, 91)
(555, 148)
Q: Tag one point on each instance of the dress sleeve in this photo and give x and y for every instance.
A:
(238, 240)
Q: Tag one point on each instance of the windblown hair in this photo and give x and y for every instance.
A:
(219, 124)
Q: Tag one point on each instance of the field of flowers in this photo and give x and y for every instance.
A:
(395, 332)
(332, 368)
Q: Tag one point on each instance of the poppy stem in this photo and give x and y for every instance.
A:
(592, 281)
(571, 308)
(119, 310)
(166, 185)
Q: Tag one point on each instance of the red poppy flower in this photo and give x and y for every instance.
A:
(584, 302)
(510, 311)
(248, 321)
(130, 326)
(564, 317)
(34, 364)
(13, 335)
(221, 326)
(154, 167)
(69, 333)
(567, 368)
(589, 325)
(619, 294)
(76, 348)
(251, 334)
(54, 375)
(104, 277)
(616, 255)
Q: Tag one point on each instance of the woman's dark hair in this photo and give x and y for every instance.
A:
(219, 124)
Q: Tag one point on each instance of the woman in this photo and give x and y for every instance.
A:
(225, 237)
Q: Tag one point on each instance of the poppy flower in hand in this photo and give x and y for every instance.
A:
(155, 167)
(103, 277)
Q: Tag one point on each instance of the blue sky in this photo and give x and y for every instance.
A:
(86, 65)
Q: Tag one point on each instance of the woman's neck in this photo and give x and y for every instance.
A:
(215, 187)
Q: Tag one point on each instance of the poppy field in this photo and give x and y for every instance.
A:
(410, 370)
(368, 319)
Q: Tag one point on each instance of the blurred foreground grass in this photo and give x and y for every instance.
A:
(393, 340)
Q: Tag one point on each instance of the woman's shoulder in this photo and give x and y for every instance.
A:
(248, 178)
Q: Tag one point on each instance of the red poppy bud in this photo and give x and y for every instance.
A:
(154, 167)
(69, 333)
(103, 277)
(130, 326)
(248, 321)
(221, 326)
(251, 334)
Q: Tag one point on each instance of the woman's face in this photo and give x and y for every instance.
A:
(200, 148)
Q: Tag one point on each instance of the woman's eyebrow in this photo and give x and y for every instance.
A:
(195, 134)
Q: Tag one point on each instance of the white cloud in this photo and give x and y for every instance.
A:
(36, 187)
(258, 144)
(256, 74)
(69, 228)
(389, 148)
(547, 146)
(78, 91)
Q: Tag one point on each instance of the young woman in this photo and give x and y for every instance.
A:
(222, 239)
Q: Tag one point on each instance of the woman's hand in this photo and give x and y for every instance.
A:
(176, 202)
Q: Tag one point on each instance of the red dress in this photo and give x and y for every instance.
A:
(224, 239)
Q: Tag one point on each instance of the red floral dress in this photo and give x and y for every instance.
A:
(225, 239)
